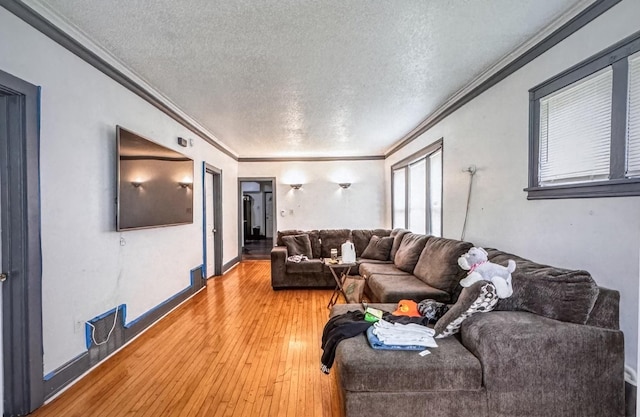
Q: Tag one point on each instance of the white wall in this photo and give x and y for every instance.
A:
(321, 203)
(599, 235)
(85, 269)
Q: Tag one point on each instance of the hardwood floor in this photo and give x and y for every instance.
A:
(237, 348)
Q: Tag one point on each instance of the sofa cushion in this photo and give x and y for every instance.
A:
(368, 269)
(298, 245)
(393, 288)
(397, 234)
(438, 263)
(556, 293)
(283, 233)
(378, 248)
(333, 239)
(361, 238)
(449, 367)
(409, 251)
(481, 297)
(311, 266)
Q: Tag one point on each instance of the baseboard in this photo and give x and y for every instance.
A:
(58, 379)
(231, 264)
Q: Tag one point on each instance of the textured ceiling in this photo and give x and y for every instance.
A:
(283, 78)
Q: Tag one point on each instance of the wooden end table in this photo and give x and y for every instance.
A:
(335, 268)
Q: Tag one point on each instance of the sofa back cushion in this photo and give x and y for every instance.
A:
(438, 263)
(298, 245)
(378, 248)
(283, 233)
(333, 239)
(409, 251)
(397, 234)
(314, 238)
(361, 238)
(556, 293)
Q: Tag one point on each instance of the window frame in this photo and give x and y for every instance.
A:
(424, 153)
(617, 185)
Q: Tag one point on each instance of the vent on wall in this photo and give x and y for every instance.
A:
(105, 334)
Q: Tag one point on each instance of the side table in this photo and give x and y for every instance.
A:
(336, 268)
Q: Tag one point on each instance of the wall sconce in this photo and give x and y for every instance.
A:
(296, 186)
(345, 185)
(185, 184)
(136, 184)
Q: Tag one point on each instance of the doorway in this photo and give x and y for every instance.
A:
(21, 289)
(212, 221)
(257, 224)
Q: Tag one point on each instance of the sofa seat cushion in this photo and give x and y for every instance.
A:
(393, 288)
(438, 263)
(305, 267)
(449, 367)
(370, 268)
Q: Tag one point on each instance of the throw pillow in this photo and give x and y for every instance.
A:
(298, 245)
(481, 297)
(378, 248)
(409, 251)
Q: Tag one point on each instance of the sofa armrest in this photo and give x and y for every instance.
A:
(533, 365)
(279, 257)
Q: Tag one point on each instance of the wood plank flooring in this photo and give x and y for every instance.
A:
(237, 348)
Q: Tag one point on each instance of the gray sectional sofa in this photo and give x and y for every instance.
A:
(413, 267)
(553, 348)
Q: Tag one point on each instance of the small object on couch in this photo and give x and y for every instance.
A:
(297, 258)
(431, 309)
(480, 269)
(407, 308)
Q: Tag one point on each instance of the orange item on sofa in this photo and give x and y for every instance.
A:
(407, 308)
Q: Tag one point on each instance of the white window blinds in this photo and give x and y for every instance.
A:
(399, 197)
(418, 196)
(575, 131)
(633, 117)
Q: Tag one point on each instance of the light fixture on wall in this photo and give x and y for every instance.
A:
(136, 184)
(185, 184)
(296, 186)
(345, 185)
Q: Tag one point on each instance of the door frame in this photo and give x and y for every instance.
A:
(217, 219)
(21, 247)
(272, 180)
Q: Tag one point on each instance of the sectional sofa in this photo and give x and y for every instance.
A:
(553, 348)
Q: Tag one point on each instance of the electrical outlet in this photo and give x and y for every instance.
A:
(122, 241)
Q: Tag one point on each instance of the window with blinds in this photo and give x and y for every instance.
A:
(417, 191)
(633, 116)
(575, 131)
(584, 136)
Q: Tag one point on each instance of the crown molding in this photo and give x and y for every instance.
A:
(316, 159)
(42, 18)
(563, 27)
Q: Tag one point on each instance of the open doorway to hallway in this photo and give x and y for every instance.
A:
(257, 223)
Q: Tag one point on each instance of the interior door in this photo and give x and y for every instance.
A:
(210, 224)
(268, 214)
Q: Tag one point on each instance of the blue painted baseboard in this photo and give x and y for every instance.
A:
(61, 377)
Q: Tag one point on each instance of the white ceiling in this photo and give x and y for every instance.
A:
(303, 78)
